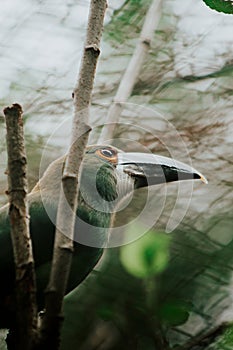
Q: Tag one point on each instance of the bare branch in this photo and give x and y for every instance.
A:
(131, 74)
(26, 313)
(52, 320)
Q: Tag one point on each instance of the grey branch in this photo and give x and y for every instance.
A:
(52, 320)
(26, 317)
(132, 71)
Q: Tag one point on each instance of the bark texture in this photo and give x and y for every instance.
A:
(52, 319)
(26, 310)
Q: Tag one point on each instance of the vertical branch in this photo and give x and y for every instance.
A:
(63, 248)
(26, 311)
(133, 69)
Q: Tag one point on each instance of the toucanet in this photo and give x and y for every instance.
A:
(108, 175)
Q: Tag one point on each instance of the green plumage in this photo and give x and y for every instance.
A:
(108, 175)
(42, 230)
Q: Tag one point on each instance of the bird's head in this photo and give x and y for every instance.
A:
(109, 174)
(129, 171)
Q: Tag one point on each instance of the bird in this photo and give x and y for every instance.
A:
(108, 176)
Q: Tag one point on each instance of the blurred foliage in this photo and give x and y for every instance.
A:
(147, 256)
(175, 313)
(131, 14)
(128, 303)
(225, 342)
(225, 6)
(226, 71)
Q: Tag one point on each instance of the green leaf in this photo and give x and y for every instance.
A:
(175, 313)
(225, 6)
(147, 256)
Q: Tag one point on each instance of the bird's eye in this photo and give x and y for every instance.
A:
(108, 153)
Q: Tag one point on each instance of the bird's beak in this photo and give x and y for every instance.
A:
(150, 169)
